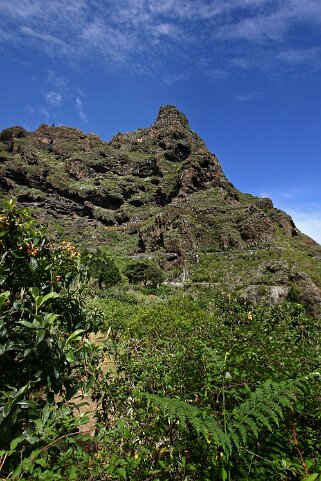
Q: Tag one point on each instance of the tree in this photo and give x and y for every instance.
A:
(104, 269)
(145, 272)
(42, 321)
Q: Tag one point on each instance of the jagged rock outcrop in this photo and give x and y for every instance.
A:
(159, 192)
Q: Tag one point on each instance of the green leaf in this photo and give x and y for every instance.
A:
(83, 420)
(40, 300)
(74, 336)
(311, 477)
(121, 472)
(69, 356)
(32, 439)
(50, 318)
(73, 473)
(5, 412)
(26, 403)
(33, 264)
(224, 474)
(51, 295)
(14, 443)
(3, 297)
(40, 336)
(29, 325)
(34, 291)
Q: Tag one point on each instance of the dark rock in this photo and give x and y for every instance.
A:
(141, 244)
(288, 225)
(106, 200)
(178, 153)
(170, 117)
(121, 218)
(256, 227)
(227, 240)
(265, 203)
(8, 135)
(136, 202)
(148, 169)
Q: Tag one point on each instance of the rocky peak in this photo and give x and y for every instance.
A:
(170, 116)
(162, 186)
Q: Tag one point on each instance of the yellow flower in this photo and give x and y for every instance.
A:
(249, 316)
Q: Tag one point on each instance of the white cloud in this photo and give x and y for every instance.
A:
(58, 81)
(53, 98)
(272, 23)
(248, 97)
(80, 110)
(296, 56)
(43, 112)
(134, 34)
(165, 29)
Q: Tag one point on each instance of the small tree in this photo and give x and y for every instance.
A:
(42, 321)
(104, 269)
(144, 272)
(154, 275)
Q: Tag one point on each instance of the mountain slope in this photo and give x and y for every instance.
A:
(159, 192)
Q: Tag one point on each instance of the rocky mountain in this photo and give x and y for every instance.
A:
(158, 192)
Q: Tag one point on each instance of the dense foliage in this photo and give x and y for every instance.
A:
(42, 327)
(184, 385)
(215, 390)
(103, 268)
(145, 272)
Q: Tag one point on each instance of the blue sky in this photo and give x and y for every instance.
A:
(247, 73)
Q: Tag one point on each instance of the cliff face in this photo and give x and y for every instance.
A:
(159, 192)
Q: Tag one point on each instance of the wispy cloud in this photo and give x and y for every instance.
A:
(248, 96)
(297, 56)
(43, 112)
(58, 81)
(272, 23)
(80, 110)
(140, 35)
(53, 98)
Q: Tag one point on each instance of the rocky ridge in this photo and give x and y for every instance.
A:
(159, 192)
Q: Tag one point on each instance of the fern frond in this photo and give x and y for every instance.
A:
(262, 409)
(186, 414)
(266, 406)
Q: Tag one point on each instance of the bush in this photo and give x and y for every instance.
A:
(104, 269)
(42, 323)
(144, 272)
(294, 294)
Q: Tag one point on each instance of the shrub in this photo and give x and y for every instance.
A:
(104, 269)
(42, 322)
(144, 272)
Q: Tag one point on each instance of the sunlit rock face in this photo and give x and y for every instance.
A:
(159, 192)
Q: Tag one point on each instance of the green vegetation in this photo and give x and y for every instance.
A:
(145, 272)
(135, 354)
(186, 384)
(43, 328)
(159, 192)
(103, 268)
